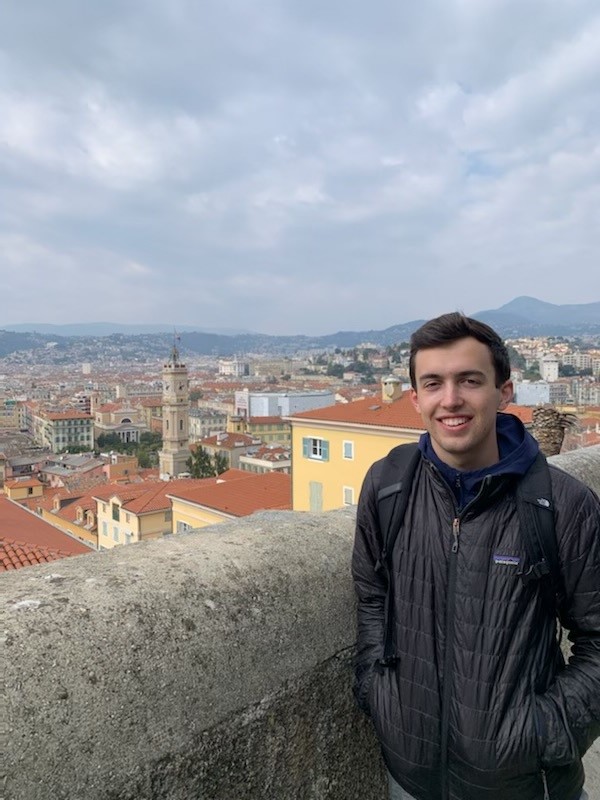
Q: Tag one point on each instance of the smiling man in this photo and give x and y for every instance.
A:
(458, 661)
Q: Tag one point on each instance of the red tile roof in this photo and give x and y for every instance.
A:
(17, 523)
(270, 453)
(524, 413)
(228, 441)
(242, 497)
(146, 498)
(22, 483)
(15, 554)
(370, 411)
(66, 415)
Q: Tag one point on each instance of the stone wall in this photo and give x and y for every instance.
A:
(211, 665)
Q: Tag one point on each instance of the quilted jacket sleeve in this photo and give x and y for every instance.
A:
(370, 586)
(569, 711)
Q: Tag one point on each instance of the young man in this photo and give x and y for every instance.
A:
(476, 702)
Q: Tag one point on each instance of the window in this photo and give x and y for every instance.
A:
(348, 450)
(126, 517)
(115, 511)
(348, 496)
(127, 538)
(104, 529)
(315, 448)
(182, 527)
(115, 533)
(168, 515)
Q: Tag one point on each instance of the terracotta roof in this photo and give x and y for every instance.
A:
(370, 411)
(524, 413)
(155, 497)
(17, 523)
(146, 498)
(269, 453)
(15, 554)
(25, 483)
(242, 497)
(66, 415)
(107, 407)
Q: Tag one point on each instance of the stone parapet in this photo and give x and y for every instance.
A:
(210, 665)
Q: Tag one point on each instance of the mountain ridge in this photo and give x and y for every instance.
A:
(523, 316)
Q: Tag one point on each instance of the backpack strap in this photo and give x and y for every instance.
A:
(398, 471)
(536, 523)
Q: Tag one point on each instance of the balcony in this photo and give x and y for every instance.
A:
(211, 665)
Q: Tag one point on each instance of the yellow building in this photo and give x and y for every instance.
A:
(74, 514)
(134, 513)
(333, 447)
(233, 494)
(23, 488)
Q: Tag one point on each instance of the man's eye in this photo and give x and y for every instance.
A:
(472, 381)
(431, 385)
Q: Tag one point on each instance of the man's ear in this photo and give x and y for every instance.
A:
(415, 400)
(507, 392)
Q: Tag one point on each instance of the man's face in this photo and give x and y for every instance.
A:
(457, 398)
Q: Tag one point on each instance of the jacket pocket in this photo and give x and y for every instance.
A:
(558, 747)
(362, 688)
(518, 744)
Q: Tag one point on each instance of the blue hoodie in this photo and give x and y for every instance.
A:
(518, 450)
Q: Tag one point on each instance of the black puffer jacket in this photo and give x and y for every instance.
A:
(479, 704)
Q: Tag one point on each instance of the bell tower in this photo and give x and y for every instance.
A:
(176, 403)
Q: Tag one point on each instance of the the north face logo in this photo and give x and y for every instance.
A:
(506, 561)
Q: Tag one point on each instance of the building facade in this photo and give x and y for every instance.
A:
(176, 404)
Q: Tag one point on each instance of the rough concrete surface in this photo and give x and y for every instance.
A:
(205, 666)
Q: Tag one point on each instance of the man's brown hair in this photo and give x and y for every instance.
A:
(454, 326)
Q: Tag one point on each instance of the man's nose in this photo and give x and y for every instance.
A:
(451, 397)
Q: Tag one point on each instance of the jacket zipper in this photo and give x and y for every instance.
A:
(447, 688)
(448, 685)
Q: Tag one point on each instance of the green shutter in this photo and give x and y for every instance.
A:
(325, 450)
(306, 447)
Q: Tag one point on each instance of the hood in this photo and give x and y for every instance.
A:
(518, 450)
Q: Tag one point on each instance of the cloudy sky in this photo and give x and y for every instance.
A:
(296, 166)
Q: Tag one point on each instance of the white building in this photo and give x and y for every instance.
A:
(233, 367)
(549, 368)
(280, 404)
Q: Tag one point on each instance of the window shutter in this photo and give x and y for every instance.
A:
(325, 450)
(306, 447)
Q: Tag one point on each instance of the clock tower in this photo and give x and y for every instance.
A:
(176, 403)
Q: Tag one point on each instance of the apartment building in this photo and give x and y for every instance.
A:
(233, 494)
(60, 430)
(332, 448)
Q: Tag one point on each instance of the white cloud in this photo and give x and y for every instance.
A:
(430, 155)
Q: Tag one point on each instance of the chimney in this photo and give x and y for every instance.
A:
(391, 389)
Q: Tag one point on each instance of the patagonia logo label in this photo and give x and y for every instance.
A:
(507, 561)
(543, 502)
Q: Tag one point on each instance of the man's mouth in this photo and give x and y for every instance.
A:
(454, 422)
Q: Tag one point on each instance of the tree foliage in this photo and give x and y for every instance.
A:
(202, 465)
(146, 450)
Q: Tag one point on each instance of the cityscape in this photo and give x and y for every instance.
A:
(107, 441)
(221, 225)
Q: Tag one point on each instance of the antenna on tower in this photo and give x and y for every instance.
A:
(175, 353)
